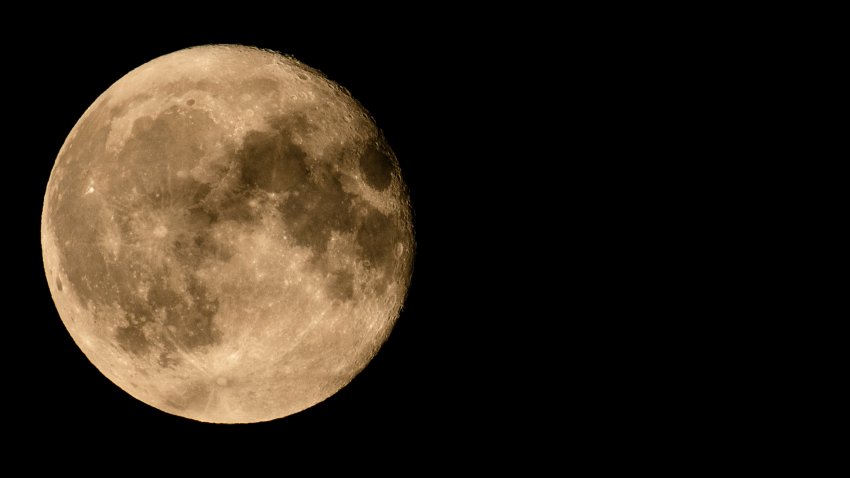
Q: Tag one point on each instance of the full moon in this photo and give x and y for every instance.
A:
(226, 235)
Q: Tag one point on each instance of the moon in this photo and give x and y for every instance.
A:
(226, 235)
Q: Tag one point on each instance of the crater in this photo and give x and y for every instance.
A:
(59, 284)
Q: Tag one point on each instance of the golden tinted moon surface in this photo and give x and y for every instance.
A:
(227, 235)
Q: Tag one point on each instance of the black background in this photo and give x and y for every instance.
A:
(554, 162)
(447, 380)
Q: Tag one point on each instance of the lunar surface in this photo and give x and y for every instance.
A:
(226, 235)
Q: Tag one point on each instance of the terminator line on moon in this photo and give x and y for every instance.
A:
(226, 235)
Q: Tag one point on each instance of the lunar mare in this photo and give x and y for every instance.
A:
(226, 235)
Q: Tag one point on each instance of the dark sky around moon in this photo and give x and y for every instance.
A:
(438, 102)
(509, 127)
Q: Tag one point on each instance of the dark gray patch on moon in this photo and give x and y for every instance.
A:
(193, 245)
(195, 396)
(179, 87)
(315, 204)
(157, 148)
(271, 160)
(167, 359)
(74, 217)
(377, 237)
(316, 209)
(132, 339)
(59, 284)
(341, 286)
(122, 108)
(260, 86)
(135, 188)
(183, 319)
(377, 168)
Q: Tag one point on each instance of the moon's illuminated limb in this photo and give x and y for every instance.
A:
(226, 235)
